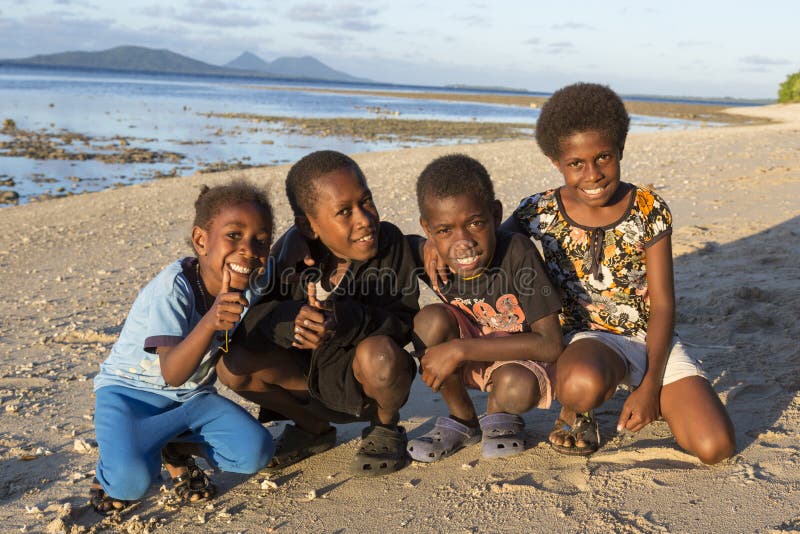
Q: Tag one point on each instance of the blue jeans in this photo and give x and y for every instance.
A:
(132, 427)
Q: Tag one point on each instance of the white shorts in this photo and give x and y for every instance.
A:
(633, 351)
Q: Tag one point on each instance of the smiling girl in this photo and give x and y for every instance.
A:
(154, 395)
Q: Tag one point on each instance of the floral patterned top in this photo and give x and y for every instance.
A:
(601, 271)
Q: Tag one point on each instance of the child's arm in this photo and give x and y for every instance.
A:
(543, 343)
(642, 406)
(179, 362)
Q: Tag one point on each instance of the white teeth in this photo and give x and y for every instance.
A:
(593, 191)
(367, 237)
(239, 268)
(467, 261)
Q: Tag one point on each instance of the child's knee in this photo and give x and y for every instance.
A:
(379, 361)
(250, 454)
(128, 482)
(435, 320)
(713, 449)
(515, 389)
(581, 386)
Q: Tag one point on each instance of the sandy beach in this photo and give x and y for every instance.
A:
(72, 267)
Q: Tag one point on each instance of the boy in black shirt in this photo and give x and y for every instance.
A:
(499, 314)
(326, 345)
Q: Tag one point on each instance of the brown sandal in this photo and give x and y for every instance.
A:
(194, 485)
(103, 503)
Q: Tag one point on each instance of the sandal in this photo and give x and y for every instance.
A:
(103, 503)
(295, 444)
(447, 436)
(382, 451)
(584, 429)
(192, 486)
(503, 435)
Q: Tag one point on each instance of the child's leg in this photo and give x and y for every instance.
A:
(272, 379)
(225, 434)
(435, 324)
(587, 374)
(384, 371)
(131, 426)
(698, 419)
(514, 389)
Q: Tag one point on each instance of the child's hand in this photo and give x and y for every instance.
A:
(640, 409)
(439, 362)
(312, 328)
(435, 266)
(228, 306)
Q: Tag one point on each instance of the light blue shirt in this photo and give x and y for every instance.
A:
(162, 315)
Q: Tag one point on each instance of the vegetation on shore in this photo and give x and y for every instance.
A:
(789, 90)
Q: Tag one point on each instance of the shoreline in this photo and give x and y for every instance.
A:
(671, 110)
(72, 267)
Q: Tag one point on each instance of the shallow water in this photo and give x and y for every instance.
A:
(164, 113)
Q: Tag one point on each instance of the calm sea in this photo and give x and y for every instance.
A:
(164, 113)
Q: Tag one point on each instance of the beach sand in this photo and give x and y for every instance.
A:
(71, 268)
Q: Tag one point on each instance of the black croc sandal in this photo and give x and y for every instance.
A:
(194, 485)
(382, 451)
(103, 503)
(295, 444)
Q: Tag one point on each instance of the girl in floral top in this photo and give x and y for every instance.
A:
(607, 244)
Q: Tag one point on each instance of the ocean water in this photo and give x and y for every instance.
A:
(165, 113)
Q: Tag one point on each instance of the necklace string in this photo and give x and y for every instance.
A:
(199, 283)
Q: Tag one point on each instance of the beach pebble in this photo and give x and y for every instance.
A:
(83, 446)
(310, 496)
(267, 484)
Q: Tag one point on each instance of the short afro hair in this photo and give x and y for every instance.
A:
(452, 175)
(212, 200)
(300, 187)
(579, 108)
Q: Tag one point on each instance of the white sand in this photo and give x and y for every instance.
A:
(71, 268)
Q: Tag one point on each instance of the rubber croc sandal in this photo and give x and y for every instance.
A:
(447, 436)
(295, 444)
(102, 503)
(584, 429)
(503, 435)
(382, 451)
(194, 485)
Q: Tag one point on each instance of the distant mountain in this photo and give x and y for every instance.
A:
(292, 67)
(141, 59)
(248, 61)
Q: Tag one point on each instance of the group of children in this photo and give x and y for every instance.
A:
(315, 332)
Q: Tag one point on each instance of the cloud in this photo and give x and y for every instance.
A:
(211, 18)
(573, 26)
(327, 39)
(532, 41)
(473, 20)
(692, 44)
(561, 47)
(351, 17)
(763, 60)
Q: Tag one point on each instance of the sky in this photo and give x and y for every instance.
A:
(677, 48)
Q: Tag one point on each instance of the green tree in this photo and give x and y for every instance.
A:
(789, 91)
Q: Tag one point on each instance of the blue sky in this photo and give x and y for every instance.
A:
(697, 48)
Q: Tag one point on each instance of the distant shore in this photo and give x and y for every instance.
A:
(674, 110)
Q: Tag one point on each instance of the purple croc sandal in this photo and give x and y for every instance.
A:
(446, 437)
(503, 435)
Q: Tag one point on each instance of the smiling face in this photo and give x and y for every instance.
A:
(590, 164)
(344, 216)
(463, 230)
(236, 240)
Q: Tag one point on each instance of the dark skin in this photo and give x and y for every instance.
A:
(588, 371)
(235, 242)
(345, 220)
(462, 230)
